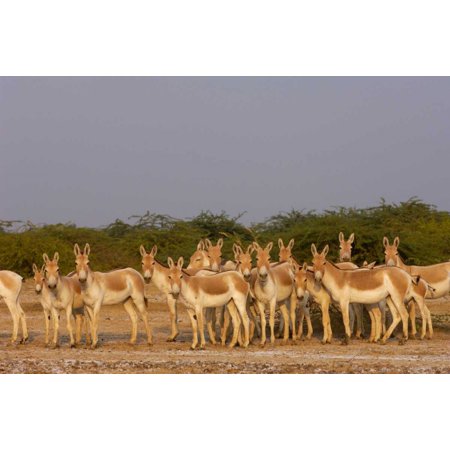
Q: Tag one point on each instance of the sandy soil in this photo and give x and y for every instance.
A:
(115, 355)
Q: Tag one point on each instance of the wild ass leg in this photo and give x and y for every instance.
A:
(172, 304)
(301, 316)
(23, 324)
(324, 308)
(292, 310)
(69, 325)
(308, 322)
(139, 301)
(201, 326)
(95, 318)
(421, 304)
(345, 317)
(412, 317)
(194, 325)
(285, 314)
(210, 312)
(358, 308)
(395, 320)
(226, 324)
(12, 306)
(129, 308)
(47, 325)
(262, 316)
(272, 305)
(430, 325)
(55, 317)
(231, 306)
(87, 327)
(79, 319)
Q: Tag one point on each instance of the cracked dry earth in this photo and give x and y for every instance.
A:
(115, 355)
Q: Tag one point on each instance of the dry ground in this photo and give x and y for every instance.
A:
(115, 355)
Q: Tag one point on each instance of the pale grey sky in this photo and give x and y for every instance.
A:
(90, 150)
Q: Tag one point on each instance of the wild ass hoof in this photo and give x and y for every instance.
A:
(345, 341)
(150, 343)
(402, 341)
(284, 342)
(171, 339)
(412, 337)
(262, 344)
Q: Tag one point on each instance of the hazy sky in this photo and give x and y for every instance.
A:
(90, 150)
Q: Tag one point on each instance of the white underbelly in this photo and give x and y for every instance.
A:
(113, 298)
(369, 296)
(441, 289)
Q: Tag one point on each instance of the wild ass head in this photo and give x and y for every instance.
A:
(82, 262)
(39, 278)
(214, 254)
(148, 262)
(175, 275)
(391, 251)
(243, 260)
(319, 261)
(199, 260)
(262, 260)
(300, 277)
(51, 270)
(285, 254)
(345, 247)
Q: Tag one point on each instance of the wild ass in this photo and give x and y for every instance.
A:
(307, 287)
(434, 278)
(345, 256)
(272, 284)
(198, 292)
(48, 299)
(243, 265)
(367, 286)
(10, 287)
(67, 297)
(157, 273)
(199, 259)
(285, 255)
(124, 286)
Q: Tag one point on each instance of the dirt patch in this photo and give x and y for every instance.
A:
(115, 355)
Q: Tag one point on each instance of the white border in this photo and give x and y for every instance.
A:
(233, 37)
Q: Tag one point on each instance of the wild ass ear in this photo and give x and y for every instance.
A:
(87, 250)
(291, 244)
(154, 250)
(397, 241)
(325, 250)
(142, 250)
(207, 244)
(236, 250)
(56, 257)
(201, 245)
(256, 246)
(170, 263)
(45, 258)
(305, 267)
(35, 269)
(313, 249)
(180, 262)
(385, 242)
(268, 247)
(220, 243)
(76, 250)
(341, 237)
(351, 238)
(280, 243)
(250, 249)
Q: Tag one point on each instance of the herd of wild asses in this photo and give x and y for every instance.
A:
(232, 296)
